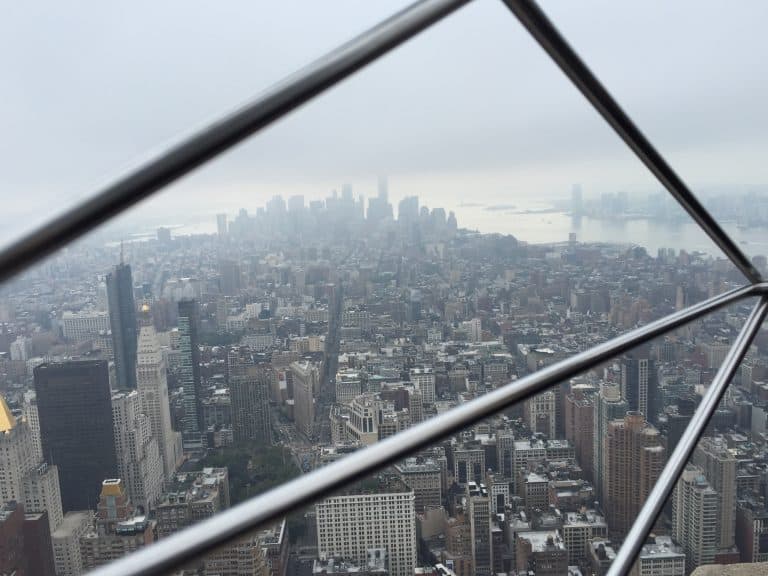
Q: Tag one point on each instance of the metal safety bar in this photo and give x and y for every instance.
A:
(206, 536)
(650, 511)
(553, 43)
(202, 538)
(276, 102)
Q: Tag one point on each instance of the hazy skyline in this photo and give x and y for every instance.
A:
(470, 108)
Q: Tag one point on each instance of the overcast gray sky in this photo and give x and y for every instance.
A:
(471, 108)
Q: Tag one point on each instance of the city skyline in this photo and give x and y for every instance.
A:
(306, 330)
(449, 219)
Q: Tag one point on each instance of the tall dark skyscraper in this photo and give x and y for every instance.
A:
(122, 321)
(75, 411)
(193, 429)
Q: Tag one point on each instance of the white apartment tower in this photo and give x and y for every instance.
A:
(350, 525)
(139, 462)
(152, 385)
(423, 379)
(719, 467)
(694, 518)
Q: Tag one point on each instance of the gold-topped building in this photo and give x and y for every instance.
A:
(24, 477)
(7, 419)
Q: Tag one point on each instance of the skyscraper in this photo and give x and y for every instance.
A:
(638, 383)
(634, 458)
(17, 455)
(249, 389)
(193, 432)
(480, 529)
(349, 525)
(580, 425)
(719, 467)
(152, 385)
(139, 463)
(122, 322)
(229, 277)
(24, 477)
(306, 383)
(74, 405)
(694, 518)
(221, 225)
(608, 406)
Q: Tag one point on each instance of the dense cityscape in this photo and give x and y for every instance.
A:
(147, 386)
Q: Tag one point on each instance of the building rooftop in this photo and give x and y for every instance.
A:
(544, 540)
(663, 547)
(72, 521)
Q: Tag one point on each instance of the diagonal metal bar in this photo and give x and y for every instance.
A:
(550, 39)
(202, 538)
(211, 141)
(682, 453)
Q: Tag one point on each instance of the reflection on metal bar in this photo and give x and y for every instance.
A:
(550, 39)
(679, 458)
(273, 104)
(197, 540)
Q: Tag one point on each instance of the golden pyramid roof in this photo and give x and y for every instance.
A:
(7, 420)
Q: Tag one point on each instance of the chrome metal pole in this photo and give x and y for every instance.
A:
(625, 558)
(201, 147)
(553, 43)
(209, 534)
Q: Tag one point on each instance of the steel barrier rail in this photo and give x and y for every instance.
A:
(286, 96)
(206, 536)
(643, 524)
(553, 43)
(223, 134)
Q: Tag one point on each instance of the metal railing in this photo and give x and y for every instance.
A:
(200, 539)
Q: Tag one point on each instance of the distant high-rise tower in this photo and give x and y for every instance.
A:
(306, 383)
(249, 390)
(229, 277)
(634, 458)
(139, 463)
(221, 224)
(379, 207)
(608, 406)
(153, 391)
(694, 518)
(122, 322)
(719, 467)
(480, 529)
(580, 426)
(638, 383)
(75, 409)
(193, 432)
